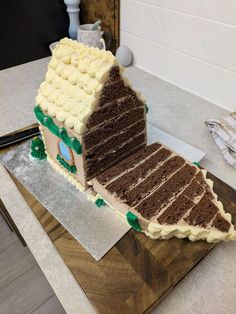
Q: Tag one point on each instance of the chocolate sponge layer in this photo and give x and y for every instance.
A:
(112, 127)
(116, 128)
(128, 163)
(199, 216)
(115, 141)
(220, 223)
(153, 203)
(176, 211)
(114, 75)
(95, 167)
(112, 109)
(114, 91)
(122, 184)
(134, 196)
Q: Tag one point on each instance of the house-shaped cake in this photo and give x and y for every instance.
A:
(93, 125)
(90, 117)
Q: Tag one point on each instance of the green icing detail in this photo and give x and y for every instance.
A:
(100, 202)
(70, 168)
(196, 164)
(47, 121)
(37, 148)
(146, 108)
(133, 221)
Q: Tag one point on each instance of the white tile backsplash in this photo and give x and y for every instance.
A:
(194, 36)
(189, 43)
(218, 10)
(132, 17)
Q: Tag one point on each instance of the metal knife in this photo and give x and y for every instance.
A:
(18, 136)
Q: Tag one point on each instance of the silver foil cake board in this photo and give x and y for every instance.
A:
(97, 229)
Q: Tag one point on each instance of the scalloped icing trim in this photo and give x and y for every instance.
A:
(158, 231)
(192, 233)
(59, 169)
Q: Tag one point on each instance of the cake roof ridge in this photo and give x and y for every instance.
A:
(74, 81)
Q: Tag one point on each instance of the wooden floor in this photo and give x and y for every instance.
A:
(23, 287)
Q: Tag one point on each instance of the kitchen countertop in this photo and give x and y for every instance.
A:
(18, 87)
(211, 284)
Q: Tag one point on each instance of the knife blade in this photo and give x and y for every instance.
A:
(17, 137)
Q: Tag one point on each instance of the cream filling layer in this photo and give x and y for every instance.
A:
(156, 188)
(132, 167)
(120, 159)
(150, 173)
(111, 118)
(112, 151)
(117, 117)
(173, 198)
(112, 136)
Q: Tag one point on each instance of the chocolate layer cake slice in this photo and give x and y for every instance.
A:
(164, 196)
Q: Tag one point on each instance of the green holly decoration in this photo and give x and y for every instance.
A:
(37, 148)
(70, 168)
(196, 164)
(146, 108)
(133, 221)
(100, 202)
(47, 121)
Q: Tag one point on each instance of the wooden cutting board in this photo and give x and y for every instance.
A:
(137, 272)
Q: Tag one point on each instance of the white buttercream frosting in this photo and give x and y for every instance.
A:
(74, 81)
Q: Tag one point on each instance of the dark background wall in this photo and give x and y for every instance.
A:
(27, 27)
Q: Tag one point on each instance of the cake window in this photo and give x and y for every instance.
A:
(65, 152)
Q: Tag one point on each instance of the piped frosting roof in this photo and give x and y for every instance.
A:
(74, 81)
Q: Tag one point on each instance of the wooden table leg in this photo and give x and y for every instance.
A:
(12, 226)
